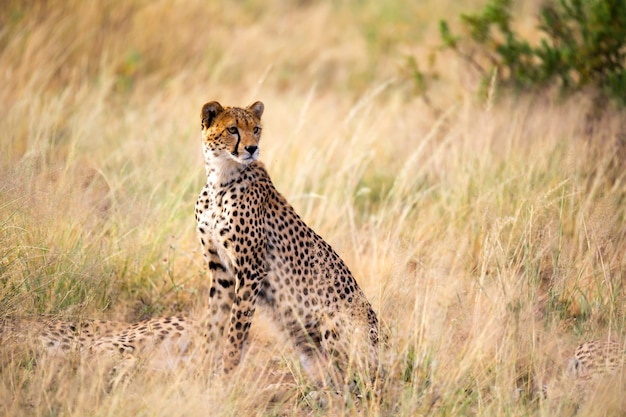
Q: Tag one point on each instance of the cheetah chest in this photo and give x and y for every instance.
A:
(216, 209)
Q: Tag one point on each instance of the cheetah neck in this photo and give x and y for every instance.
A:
(221, 168)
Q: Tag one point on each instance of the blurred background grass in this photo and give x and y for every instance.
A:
(489, 235)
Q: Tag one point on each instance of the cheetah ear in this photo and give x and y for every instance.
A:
(257, 109)
(209, 112)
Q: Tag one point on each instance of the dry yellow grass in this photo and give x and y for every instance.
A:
(490, 238)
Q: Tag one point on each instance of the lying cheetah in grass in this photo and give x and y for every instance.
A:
(162, 343)
(593, 359)
(259, 251)
(594, 366)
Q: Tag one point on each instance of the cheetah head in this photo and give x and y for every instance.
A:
(231, 134)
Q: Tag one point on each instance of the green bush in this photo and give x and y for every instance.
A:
(583, 47)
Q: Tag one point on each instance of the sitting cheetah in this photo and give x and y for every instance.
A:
(259, 251)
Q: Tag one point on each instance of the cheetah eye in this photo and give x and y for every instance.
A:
(232, 130)
(256, 130)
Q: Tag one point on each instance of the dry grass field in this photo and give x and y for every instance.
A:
(490, 237)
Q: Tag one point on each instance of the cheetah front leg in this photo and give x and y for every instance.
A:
(221, 299)
(247, 287)
(232, 303)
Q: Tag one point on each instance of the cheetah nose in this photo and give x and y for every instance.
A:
(251, 149)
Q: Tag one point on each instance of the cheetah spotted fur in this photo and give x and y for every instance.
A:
(593, 365)
(260, 252)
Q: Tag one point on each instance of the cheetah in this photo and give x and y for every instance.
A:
(162, 343)
(594, 366)
(260, 252)
(595, 358)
